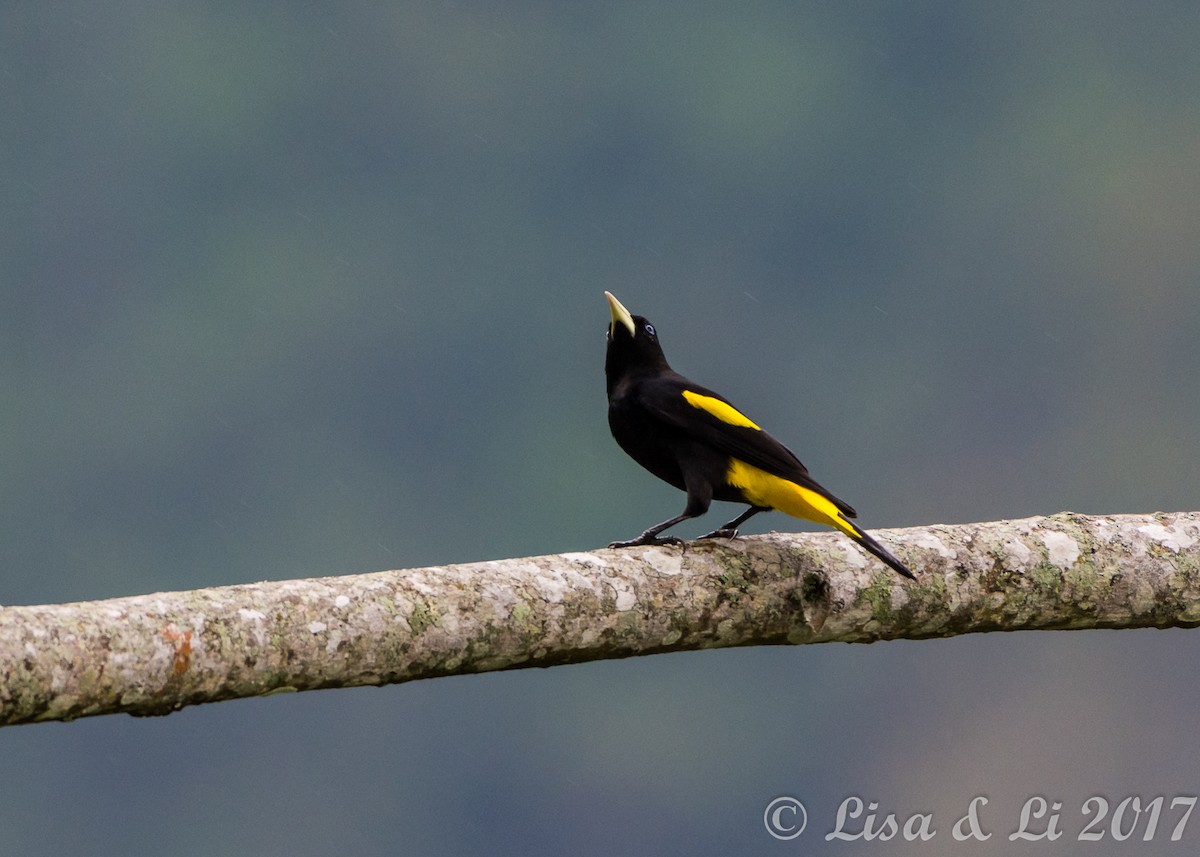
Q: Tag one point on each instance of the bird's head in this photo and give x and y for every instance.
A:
(632, 345)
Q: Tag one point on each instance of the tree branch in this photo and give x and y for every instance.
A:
(153, 654)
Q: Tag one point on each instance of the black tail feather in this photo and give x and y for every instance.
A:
(874, 547)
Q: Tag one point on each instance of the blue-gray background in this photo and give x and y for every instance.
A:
(292, 290)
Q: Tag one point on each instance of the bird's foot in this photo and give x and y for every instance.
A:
(645, 539)
(723, 533)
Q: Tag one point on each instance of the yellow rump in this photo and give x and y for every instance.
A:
(763, 489)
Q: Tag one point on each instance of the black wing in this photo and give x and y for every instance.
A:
(710, 418)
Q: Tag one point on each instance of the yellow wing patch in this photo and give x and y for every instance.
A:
(763, 489)
(723, 411)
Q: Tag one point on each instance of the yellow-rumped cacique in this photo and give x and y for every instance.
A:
(696, 440)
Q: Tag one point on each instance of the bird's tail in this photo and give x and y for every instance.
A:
(760, 488)
(871, 546)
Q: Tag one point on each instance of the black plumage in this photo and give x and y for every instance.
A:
(696, 440)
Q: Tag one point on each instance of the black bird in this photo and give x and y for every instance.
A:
(696, 440)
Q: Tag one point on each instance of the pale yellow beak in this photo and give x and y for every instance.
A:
(619, 314)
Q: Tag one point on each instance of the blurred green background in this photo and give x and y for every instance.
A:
(306, 289)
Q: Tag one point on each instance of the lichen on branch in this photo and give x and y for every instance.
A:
(153, 654)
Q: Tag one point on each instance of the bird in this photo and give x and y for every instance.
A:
(695, 439)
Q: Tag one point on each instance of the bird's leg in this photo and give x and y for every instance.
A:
(730, 530)
(699, 496)
(651, 537)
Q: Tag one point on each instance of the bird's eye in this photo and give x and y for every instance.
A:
(650, 329)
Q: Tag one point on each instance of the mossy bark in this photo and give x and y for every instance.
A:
(153, 654)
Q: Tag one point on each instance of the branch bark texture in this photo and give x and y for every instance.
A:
(153, 654)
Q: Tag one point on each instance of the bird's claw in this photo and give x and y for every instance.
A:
(647, 540)
(723, 533)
